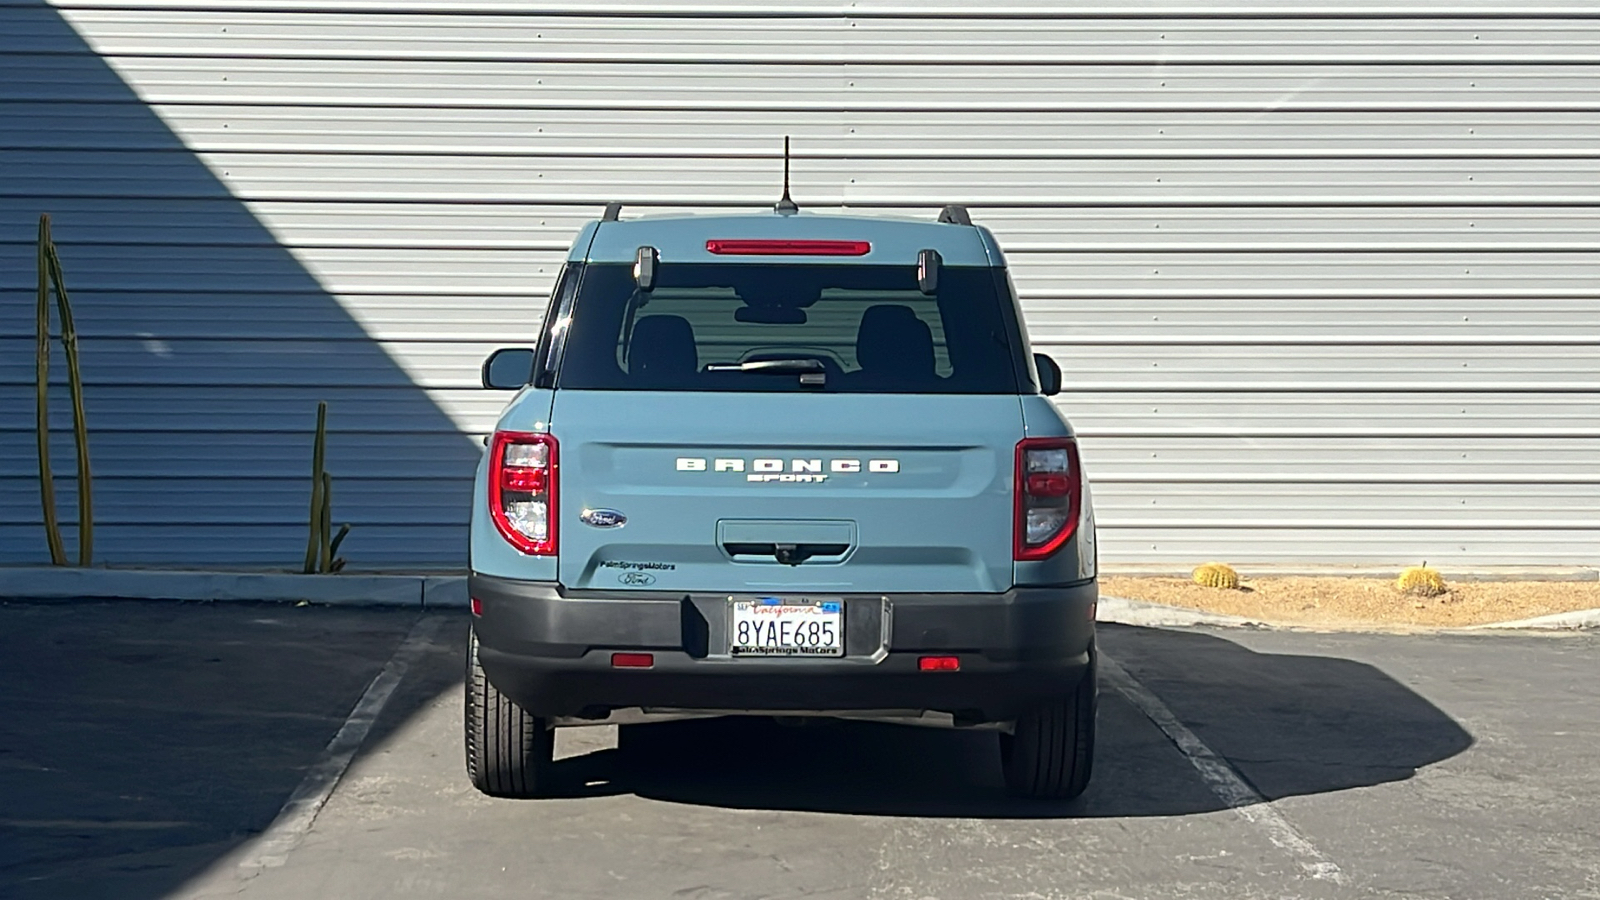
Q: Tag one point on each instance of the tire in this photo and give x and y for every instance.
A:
(1051, 754)
(509, 752)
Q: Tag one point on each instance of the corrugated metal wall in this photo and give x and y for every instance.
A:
(1324, 278)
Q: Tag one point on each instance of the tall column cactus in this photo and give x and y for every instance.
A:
(50, 274)
(322, 546)
(47, 485)
(319, 493)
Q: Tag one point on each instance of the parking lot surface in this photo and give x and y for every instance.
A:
(147, 750)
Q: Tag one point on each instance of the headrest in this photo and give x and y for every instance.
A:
(663, 348)
(892, 340)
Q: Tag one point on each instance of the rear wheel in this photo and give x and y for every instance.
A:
(1051, 753)
(509, 752)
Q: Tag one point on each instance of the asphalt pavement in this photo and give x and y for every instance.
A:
(148, 750)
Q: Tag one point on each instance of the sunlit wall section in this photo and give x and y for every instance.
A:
(1323, 281)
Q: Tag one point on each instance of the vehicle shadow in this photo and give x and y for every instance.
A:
(1291, 725)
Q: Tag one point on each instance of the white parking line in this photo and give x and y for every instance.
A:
(299, 813)
(1221, 777)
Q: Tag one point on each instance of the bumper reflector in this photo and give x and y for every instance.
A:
(477, 606)
(632, 660)
(939, 663)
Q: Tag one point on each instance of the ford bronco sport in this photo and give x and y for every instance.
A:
(788, 465)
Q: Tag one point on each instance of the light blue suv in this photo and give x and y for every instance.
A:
(782, 464)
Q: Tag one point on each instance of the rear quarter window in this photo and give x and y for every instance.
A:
(869, 329)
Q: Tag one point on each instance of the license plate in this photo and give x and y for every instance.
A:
(774, 626)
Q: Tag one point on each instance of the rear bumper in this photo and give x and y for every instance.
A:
(549, 649)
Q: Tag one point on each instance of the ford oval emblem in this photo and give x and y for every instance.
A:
(636, 579)
(603, 518)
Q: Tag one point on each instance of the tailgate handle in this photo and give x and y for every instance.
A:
(789, 541)
(788, 554)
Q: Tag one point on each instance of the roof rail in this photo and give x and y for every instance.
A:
(955, 215)
(612, 213)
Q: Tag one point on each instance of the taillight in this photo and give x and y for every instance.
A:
(1049, 489)
(522, 490)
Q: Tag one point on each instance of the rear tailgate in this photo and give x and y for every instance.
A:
(731, 492)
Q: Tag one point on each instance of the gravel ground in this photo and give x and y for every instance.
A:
(1346, 601)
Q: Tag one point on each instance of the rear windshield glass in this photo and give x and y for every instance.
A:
(732, 327)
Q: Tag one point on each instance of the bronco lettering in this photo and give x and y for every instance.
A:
(799, 470)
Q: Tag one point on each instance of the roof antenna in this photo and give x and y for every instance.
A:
(786, 206)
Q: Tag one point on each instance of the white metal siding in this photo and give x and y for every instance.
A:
(1322, 277)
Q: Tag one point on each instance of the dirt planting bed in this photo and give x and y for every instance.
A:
(1336, 601)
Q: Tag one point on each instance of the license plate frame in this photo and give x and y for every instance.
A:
(806, 621)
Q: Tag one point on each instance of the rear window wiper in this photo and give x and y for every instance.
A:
(811, 371)
(771, 366)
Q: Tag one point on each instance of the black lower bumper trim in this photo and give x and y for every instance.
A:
(550, 650)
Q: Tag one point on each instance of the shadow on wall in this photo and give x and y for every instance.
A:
(206, 346)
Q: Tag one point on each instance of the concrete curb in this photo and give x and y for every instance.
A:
(63, 583)
(450, 591)
(1583, 618)
(1154, 615)
(1279, 570)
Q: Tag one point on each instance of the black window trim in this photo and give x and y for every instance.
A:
(553, 342)
(1011, 314)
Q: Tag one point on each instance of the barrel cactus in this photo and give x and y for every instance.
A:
(1420, 581)
(1217, 575)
